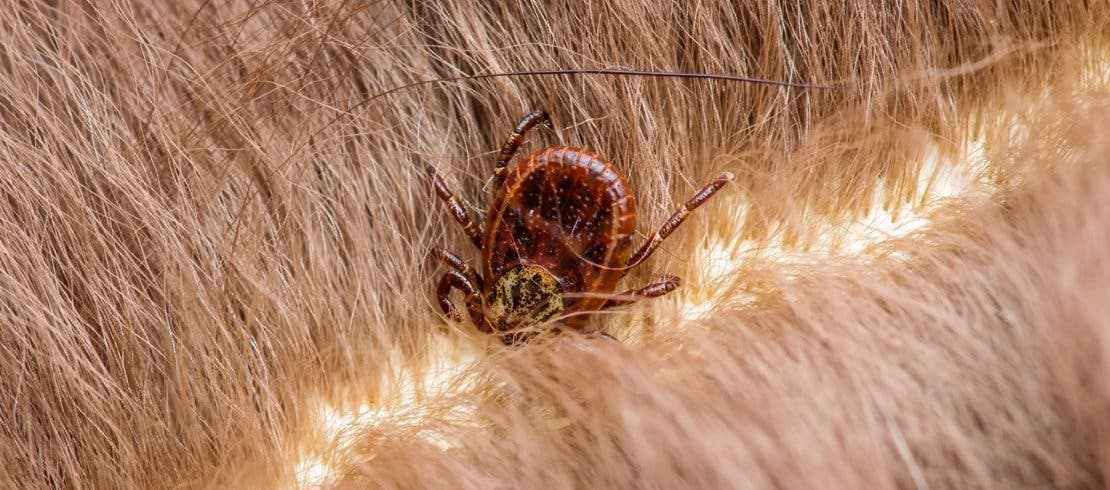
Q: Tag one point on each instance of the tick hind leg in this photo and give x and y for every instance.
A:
(676, 219)
(455, 206)
(508, 150)
(656, 288)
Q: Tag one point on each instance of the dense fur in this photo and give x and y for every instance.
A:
(215, 230)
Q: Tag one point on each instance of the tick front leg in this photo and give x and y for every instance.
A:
(457, 263)
(676, 219)
(455, 206)
(455, 279)
(508, 150)
(657, 288)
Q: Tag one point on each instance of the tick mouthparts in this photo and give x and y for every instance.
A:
(727, 176)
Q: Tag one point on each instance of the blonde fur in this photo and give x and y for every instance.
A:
(212, 227)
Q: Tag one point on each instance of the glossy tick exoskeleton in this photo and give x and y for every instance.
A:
(555, 241)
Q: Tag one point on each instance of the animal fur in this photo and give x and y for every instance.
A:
(215, 229)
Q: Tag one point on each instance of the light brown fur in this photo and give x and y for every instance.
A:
(209, 226)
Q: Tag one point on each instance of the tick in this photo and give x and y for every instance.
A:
(555, 241)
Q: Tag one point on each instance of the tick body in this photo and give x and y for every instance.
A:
(555, 242)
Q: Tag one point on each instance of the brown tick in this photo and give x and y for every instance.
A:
(555, 243)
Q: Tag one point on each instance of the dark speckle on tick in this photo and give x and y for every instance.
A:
(555, 242)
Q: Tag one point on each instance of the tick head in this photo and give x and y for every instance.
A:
(524, 297)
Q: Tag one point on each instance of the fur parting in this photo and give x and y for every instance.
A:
(971, 354)
(214, 229)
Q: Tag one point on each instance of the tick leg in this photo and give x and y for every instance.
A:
(455, 206)
(657, 288)
(443, 291)
(455, 279)
(676, 219)
(508, 150)
(460, 265)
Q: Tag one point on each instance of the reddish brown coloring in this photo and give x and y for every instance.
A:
(569, 211)
(555, 241)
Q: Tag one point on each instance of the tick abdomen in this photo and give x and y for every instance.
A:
(569, 211)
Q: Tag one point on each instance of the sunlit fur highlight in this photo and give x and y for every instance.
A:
(209, 232)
